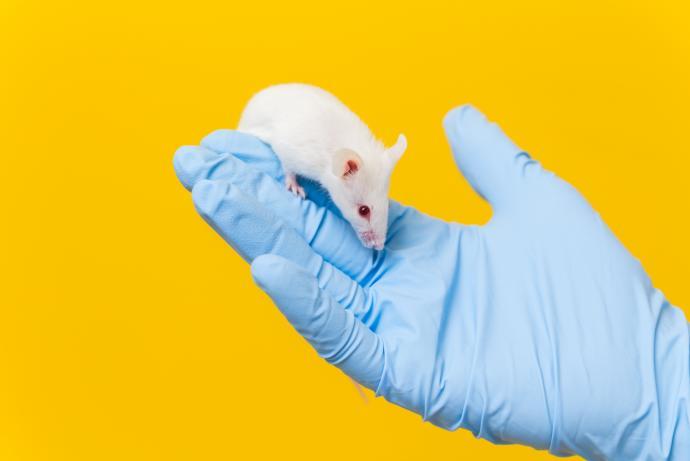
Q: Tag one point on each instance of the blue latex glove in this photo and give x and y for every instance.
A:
(538, 328)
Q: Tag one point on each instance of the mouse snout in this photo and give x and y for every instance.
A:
(371, 239)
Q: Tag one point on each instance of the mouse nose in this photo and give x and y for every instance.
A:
(371, 240)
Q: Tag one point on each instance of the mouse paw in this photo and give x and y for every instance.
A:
(293, 186)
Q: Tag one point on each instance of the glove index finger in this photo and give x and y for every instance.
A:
(247, 148)
(327, 233)
(249, 164)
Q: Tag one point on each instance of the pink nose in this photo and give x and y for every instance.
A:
(371, 240)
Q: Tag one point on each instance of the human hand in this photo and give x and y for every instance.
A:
(538, 328)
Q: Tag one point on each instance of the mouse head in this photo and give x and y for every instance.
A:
(359, 188)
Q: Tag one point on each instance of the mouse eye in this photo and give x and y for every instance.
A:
(364, 211)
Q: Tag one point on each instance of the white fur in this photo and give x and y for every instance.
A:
(314, 135)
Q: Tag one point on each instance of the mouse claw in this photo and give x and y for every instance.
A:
(298, 191)
(293, 186)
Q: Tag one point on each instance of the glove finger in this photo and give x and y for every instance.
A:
(259, 155)
(487, 158)
(252, 230)
(329, 235)
(247, 148)
(334, 332)
(196, 163)
(193, 164)
(322, 225)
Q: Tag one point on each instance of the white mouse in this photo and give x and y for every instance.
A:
(316, 136)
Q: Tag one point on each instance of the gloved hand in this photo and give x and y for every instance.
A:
(538, 328)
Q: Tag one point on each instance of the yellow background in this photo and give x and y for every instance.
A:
(129, 330)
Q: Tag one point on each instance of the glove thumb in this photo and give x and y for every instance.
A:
(487, 158)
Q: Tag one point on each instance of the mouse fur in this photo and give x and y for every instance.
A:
(317, 137)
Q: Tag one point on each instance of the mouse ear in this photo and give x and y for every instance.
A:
(346, 163)
(396, 150)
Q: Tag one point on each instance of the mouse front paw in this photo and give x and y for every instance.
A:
(293, 186)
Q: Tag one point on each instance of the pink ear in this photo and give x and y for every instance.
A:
(351, 167)
(346, 163)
